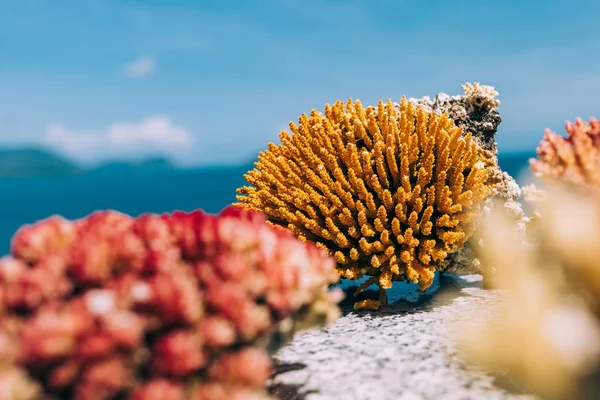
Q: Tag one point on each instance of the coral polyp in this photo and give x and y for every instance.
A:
(389, 191)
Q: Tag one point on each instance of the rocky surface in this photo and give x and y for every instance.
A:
(407, 351)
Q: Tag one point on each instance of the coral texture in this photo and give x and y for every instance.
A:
(389, 191)
(546, 339)
(173, 306)
(476, 111)
(574, 159)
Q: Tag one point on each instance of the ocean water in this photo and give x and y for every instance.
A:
(26, 200)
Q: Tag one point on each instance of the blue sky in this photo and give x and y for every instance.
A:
(213, 81)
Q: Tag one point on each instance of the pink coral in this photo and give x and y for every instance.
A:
(155, 307)
(574, 159)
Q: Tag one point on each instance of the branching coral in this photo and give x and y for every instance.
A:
(574, 159)
(389, 191)
(551, 273)
(179, 306)
(476, 111)
(547, 336)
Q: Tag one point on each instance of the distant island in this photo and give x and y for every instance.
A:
(24, 162)
(152, 164)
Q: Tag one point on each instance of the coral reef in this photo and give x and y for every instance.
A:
(546, 338)
(174, 306)
(389, 190)
(574, 159)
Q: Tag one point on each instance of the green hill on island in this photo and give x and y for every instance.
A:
(33, 162)
(26, 162)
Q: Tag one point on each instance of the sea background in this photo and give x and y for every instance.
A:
(135, 191)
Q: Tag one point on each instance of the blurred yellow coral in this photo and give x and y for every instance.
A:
(389, 190)
(546, 336)
(574, 159)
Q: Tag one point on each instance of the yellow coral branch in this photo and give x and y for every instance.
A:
(389, 190)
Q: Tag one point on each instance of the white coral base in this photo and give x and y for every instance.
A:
(406, 352)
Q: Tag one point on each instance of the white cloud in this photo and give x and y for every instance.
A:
(140, 68)
(152, 135)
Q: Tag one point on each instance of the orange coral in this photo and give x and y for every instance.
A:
(389, 191)
(574, 159)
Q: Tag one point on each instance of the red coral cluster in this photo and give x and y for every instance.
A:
(162, 307)
(574, 159)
